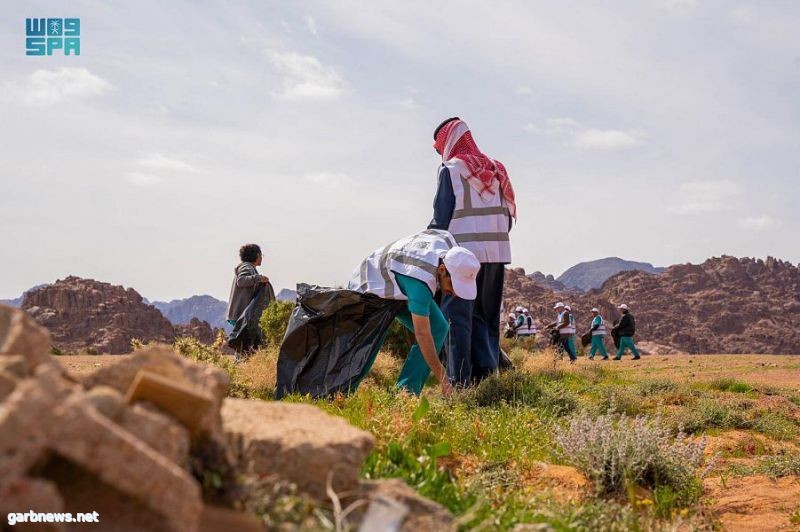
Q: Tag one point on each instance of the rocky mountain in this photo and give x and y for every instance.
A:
(724, 305)
(204, 308)
(84, 314)
(17, 301)
(587, 275)
(547, 281)
(287, 295)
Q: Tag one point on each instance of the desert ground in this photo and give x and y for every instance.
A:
(491, 455)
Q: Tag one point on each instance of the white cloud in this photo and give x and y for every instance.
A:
(328, 179)
(524, 90)
(305, 78)
(142, 180)
(699, 197)
(47, 87)
(607, 139)
(158, 161)
(758, 223)
(311, 25)
(587, 138)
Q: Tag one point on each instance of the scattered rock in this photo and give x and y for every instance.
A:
(421, 514)
(20, 335)
(299, 443)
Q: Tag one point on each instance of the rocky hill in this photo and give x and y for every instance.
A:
(587, 275)
(84, 314)
(287, 295)
(724, 305)
(17, 301)
(204, 308)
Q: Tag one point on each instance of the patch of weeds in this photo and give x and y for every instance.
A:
(558, 400)
(656, 387)
(728, 384)
(512, 387)
(779, 466)
(620, 400)
(618, 452)
(776, 425)
(711, 413)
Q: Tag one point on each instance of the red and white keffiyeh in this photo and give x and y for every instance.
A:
(487, 176)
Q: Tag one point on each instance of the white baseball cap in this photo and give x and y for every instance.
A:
(567, 307)
(559, 305)
(595, 309)
(623, 306)
(512, 315)
(524, 310)
(518, 309)
(463, 267)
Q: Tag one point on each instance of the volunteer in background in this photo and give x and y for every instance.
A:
(626, 328)
(598, 335)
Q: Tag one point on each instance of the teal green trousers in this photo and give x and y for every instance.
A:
(598, 345)
(415, 371)
(626, 342)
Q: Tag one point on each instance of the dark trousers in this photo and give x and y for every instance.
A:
(473, 346)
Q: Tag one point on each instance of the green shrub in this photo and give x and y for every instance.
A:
(656, 387)
(779, 466)
(513, 387)
(274, 321)
(711, 413)
(727, 384)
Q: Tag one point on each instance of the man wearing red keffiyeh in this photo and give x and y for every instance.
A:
(475, 202)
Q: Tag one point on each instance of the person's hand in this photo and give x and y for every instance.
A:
(264, 279)
(447, 388)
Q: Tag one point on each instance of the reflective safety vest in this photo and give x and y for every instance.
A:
(416, 256)
(601, 330)
(528, 327)
(570, 327)
(478, 225)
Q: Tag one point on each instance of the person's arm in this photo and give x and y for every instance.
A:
(519, 322)
(444, 203)
(424, 337)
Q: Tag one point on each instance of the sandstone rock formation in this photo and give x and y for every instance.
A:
(86, 314)
(724, 305)
(197, 329)
(97, 317)
(202, 308)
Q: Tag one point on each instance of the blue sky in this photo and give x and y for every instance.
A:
(660, 130)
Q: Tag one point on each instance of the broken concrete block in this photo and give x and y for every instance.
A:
(15, 364)
(163, 361)
(178, 399)
(159, 431)
(95, 444)
(298, 443)
(21, 335)
(25, 494)
(422, 514)
(107, 401)
(7, 384)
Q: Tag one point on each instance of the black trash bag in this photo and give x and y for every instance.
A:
(615, 337)
(504, 364)
(332, 339)
(555, 337)
(586, 339)
(247, 334)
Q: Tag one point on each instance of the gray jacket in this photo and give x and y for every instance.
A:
(245, 282)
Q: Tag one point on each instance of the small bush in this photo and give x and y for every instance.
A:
(656, 387)
(780, 466)
(710, 413)
(558, 400)
(274, 321)
(618, 452)
(727, 384)
(512, 387)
